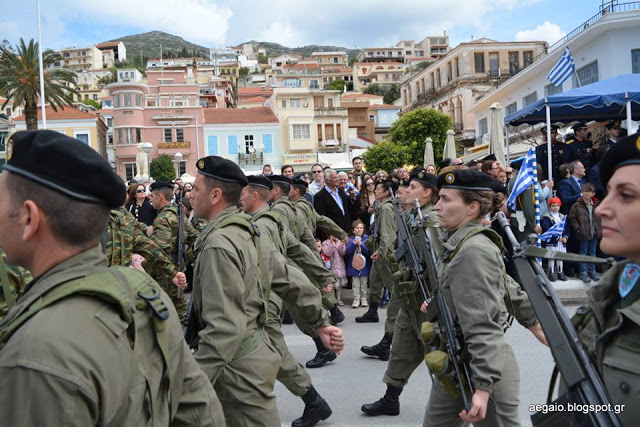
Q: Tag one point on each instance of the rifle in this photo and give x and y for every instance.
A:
(181, 262)
(578, 372)
(438, 307)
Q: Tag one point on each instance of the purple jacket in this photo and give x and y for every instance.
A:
(350, 250)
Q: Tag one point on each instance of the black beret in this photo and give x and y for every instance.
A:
(299, 181)
(159, 185)
(466, 179)
(65, 165)
(444, 163)
(490, 157)
(517, 163)
(499, 187)
(260, 181)
(222, 169)
(614, 124)
(623, 153)
(403, 183)
(424, 178)
(280, 178)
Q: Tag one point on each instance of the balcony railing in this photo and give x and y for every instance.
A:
(331, 111)
(245, 159)
(330, 144)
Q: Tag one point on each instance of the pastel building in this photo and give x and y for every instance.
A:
(248, 137)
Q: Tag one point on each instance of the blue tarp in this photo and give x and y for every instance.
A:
(604, 100)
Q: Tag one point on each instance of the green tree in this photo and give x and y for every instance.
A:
(412, 128)
(244, 71)
(20, 80)
(97, 105)
(162, 168)
(391, 94)
(374, 89)
(386, 155)
(184, 53)
(262, 58)
(337, 84)
(351, 62)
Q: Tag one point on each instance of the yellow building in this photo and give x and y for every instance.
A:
(230, 71)
(331, 58)
(87, 127)
(311, 121)
(81, 58)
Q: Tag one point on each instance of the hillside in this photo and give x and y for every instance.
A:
(275, 49)
(148, 44)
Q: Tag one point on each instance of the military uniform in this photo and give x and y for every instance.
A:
(165, 235)
(18, 279)
(71, 355)
(578, 150)
(316, 221)
(229, 309)
(557, 153)
(294, 221)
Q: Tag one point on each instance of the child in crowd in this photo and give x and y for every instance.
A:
(356, 268)
(555, 243)
(587, 228)
(334, 249)
(325, 259)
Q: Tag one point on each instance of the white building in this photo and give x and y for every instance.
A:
(606, 46)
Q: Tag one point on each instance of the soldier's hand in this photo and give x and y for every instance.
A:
(478, 407)
(375, 255)
(538, 229)
(180, 280)
(537, 332)
(423, 307)
(345, 239)
(149, 230)
(332, 338)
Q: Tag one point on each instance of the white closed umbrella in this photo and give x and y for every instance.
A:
(429, 158)
(496, 136)
(449, 146)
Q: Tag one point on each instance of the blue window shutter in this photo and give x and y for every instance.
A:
(267, 142)
(212, 145)
(233, 144)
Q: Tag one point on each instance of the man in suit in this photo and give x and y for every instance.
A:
(333, 202)
(569, 189)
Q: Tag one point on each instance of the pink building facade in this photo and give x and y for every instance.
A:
(166, 111)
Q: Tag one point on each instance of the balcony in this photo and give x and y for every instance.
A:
(254, 158)
(330, 145)
(331, 112)
(458, 127)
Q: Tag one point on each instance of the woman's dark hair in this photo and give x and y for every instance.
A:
(131, 193)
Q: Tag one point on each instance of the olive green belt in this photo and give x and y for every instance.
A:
(251, 343)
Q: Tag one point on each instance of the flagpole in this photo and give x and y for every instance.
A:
(549, 148)
(506, 132)
(41, 71)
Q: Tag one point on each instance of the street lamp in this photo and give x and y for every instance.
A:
(147, 147)
(177, 157)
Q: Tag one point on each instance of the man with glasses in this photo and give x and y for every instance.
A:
(317, 182)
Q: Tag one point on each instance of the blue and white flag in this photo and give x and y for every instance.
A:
(563, 69)
(555, 231)
(525, 179)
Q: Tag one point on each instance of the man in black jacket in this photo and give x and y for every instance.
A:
(333, 202)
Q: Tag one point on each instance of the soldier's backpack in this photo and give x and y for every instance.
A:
(132, 293)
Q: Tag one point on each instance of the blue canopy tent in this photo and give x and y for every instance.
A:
(614, 98)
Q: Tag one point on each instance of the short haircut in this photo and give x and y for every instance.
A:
(266, 166)
(283, 186)
(262, 192)
(282, 169)
(356, 158)
(301, 188)
(327, 174)
(231, 191)
(316, 164)
(589, 187)
(562, 169)
(343, 174)
(167, 193)
(573, 165)
(72, 222)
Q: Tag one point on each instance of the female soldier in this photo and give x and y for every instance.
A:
(471, 251)
(609, 326)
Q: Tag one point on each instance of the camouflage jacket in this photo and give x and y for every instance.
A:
(125, 236)
(165, 232)
(18, 279)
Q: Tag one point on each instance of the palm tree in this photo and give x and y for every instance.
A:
(20, 80)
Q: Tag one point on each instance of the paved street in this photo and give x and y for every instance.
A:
(354, 379)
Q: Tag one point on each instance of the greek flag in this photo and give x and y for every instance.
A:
(525, 179)
(563, 69)
(555, 232)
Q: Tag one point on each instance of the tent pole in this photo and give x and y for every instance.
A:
(507, 143)
(549, 147)
(629, 117)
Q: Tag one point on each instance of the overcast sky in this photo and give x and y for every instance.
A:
(371, 23)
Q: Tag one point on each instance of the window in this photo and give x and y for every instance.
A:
(248, 144)
(551, 89)
(510, 109)
(514, 62)
(301, 132)
(529, 99)
(586, 75)
(167, 135)
(284, 103)
(335, 60)
(180, 135)
(478, 59)
(116, 101)
(110, 138)
(635, 61)
(95, 97)
(483, 126)
(182, 167)
(138, 100)
(313, 84)
(84, 137)
(294, 103)
(129, 171)
(527, 58)
(109, 121)
(127, 99)
(3, 141)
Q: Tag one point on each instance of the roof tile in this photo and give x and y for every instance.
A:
(239, 115)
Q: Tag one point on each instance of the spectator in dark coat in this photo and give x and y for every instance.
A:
(333, 202)
(569, 189)
(594, 173)
(138, 204)
(359, 278)
(580, 148)
(587, 228)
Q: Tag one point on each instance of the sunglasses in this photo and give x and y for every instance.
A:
(317, 171)
(140, 191)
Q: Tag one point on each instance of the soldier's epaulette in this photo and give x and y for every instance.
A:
(569, 141)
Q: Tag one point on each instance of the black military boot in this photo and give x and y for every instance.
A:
(323, 355)
(382, 350)
(371, 316)
(388, 405)
(316, 409)
(337, 315)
